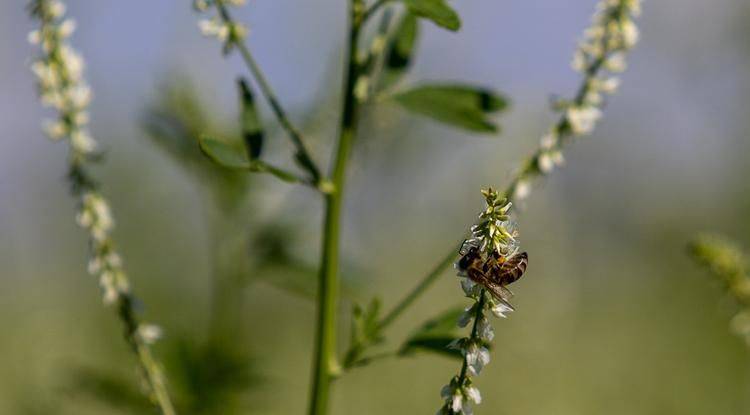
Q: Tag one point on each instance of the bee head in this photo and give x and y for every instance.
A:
(468, 258)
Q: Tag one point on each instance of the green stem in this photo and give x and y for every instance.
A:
(302, 154)
(325, 365)
(151, 369)
(407, 301)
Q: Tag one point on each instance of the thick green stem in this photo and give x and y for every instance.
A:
(325, 365)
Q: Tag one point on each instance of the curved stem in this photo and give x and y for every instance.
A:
(325, 365)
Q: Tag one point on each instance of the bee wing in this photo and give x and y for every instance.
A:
(501, 294)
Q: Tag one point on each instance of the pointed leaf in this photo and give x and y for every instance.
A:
(436, 10)
(461, 106)
(405, 38)
(431, 344)
(224, 153)
(252, 129)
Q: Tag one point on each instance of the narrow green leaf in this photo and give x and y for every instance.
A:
(404, 40)
(252, 129)
(224, 153)
(431, 344)
(447, 322)
(462, 106)
(435, 335)
(436, 10)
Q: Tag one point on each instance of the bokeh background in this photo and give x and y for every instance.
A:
(612, 317)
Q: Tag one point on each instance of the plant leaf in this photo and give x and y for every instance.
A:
(435, 334)
(404, 40)
(252, 129)
(462, 106)
(223, 153)
(431, 344)
(436, 10)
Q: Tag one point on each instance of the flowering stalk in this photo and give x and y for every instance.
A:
(494, 234)
(59, 72)
(232, 34)
(600, 55)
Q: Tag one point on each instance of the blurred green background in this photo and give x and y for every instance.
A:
(611, 317)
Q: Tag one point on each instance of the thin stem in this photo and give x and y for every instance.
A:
(302, 154)
(151, 369)
(325, 364)
(407, 301)
(258, 166)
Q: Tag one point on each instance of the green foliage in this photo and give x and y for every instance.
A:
(437, 11)
(461, 106)
(721, 256)
(252, 129)
(174, 124)
(112, 389)
(212, 377)
(435, 335)
(365, 331)
(404, 42)
(225, 154)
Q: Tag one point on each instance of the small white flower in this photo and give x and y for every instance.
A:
(214, 28)
(56, 9)
(473, 394)
(484, 329)
(549, 140)
(609, 85)
(466, 317)
(470, 288)
(200, 5)
(82, 142)
(545, 163)
(34, 37)
(150, 333)
(521, 190)
(477, 358)
(579, 61)
(457, 401)
(583, 119)
(616, 62)
(54, 129)
(630, 34)
(66, 28)
(501, 309)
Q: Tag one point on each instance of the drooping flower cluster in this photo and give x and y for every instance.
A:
(495, 233)
(220, 27)
(600, 55)
(59, 71)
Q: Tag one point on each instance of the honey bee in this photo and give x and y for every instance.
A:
(494, 272)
